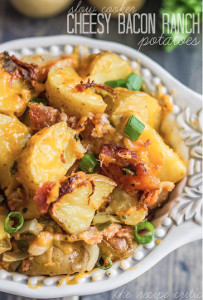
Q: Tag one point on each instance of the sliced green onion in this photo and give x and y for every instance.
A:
(116, 83)
(134, 82)
(103, 267)
(134, 128)
(144, 239)
(88, 163)
(13, 215)
(39, 100)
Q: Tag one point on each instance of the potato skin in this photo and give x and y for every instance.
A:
(13, 136)
(172, 169)
(104, 66)
(136, 102)
(117, 248)
(75, 213)
(63, 264)
(14, 98)
(48, 155)
(62, 93)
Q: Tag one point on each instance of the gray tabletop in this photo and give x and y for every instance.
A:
(179, 275)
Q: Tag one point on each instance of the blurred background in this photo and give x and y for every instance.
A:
(181, 271)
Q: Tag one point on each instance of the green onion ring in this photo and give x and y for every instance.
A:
(144, 239)
(12, 215)
(102, 267)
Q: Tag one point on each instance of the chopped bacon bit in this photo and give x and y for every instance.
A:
(63, 159)
(72, 122)
(91, 236)
(19, 69)
(68, 185)
(17, 199)
(83, 86)
(93, 189)
(42, 194)
(147, 143)
(155, 198)
(115, 161)
(44, 116)
(104, 87)
(126, 232)
(25, 265)
(110, 231)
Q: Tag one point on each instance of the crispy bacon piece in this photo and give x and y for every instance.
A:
(41, 196)
(69, 184)
(25, 265)
(114, 233)
(83, 86)
(110, 231)
(17, 199)
(44, 116)
(19, 69)
(156, 198)
(91, 236)
(127, 169)
(121, 243)
(127, 233)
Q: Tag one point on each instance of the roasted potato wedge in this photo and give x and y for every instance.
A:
(47, 62)
(15, 93)
(13, 137)
(171, 167)
(120, 204)
(132, 102)
(48, 155)
(62, 263)
(104, 66)
(63, 94)
(117, 248)
(73, 212)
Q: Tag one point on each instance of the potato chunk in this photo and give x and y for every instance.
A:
(105, 66)
(13, 136)
(172, 167)
(48, 155)
(166, 163)
(15, 93)
(120, 204)
(131, 102)
(62, 93)
(63, 263)
(75, 210)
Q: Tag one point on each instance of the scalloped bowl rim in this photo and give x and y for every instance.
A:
(170, 242)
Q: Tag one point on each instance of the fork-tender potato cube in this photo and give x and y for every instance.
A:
(63, 263)
(74, 211)
(131, 102)
(172, 169)
(63, 94)
(13, 136)
(48, 155)
(120, 204)
(14, 95)
(104, 66)
(167, 164)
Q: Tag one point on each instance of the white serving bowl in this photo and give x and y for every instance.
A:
(177, 223)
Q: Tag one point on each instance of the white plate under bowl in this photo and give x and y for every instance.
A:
(177, 223)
